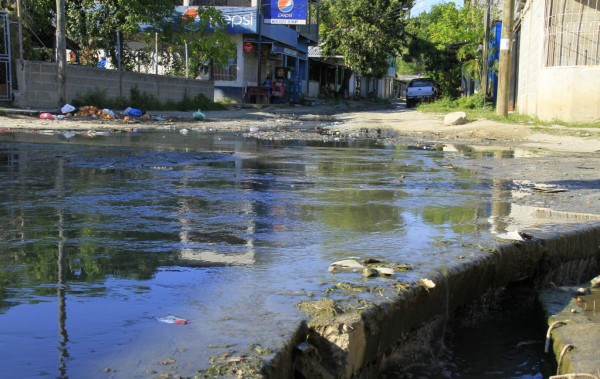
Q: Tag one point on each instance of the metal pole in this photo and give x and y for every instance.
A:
(156, 53)
(259, 47)
(118, 50)
(505, 59)
(61, 52)
(187, 66)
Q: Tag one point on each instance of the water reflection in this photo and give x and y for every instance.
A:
(216, 228)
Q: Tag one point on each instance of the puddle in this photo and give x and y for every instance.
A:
(102, 235)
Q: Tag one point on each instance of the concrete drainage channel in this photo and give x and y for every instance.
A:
(397, 333)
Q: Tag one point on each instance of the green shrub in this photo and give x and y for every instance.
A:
(141, 100)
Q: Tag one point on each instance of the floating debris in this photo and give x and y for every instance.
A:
(173, 320)
(427, 283)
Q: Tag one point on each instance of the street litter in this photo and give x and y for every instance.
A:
(173, 320)
(199, 116)
(351, 265)
(427, 283)
(67, 108)
(47, 116)
(132, 112)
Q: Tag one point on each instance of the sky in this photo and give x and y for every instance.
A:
(424, 5)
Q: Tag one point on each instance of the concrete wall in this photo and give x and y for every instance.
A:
(568, 93)
(38, 84)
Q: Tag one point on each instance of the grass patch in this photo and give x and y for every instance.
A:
(141, 100)
(476, 108)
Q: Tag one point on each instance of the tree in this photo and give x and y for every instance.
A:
(366, 32)
(204, 34)
(93, 24)
(446, 43)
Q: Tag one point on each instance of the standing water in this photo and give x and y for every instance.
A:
(103, 236)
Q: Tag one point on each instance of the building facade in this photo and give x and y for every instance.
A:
(558, 47)
(265, 51)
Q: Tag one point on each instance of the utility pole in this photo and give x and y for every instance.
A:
(61, 52)
(259, 47)
(504, 68)
(486, 42)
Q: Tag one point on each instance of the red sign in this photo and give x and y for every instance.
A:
(248, 47)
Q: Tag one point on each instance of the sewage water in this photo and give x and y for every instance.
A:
(102, 235)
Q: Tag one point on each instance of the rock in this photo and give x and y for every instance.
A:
(455, 118)
(369, 272)
(384, 270)
(595, 282)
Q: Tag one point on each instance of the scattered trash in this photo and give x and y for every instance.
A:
(107, 114)
(183, 131)
(132, 112)
(548, 188)
(427, 283)
(346, 265)
(351, 265)
(47, 116)
(199, 116)
(173, 320)
(67, 108)
(595, 282)
(512, 235)
(69, 135)
(87, 111)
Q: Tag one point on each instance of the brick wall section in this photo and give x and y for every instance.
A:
(38, 84)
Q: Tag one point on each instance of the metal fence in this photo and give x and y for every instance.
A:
(5, 58)
(572, 32)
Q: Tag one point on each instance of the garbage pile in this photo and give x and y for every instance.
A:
(90, 111)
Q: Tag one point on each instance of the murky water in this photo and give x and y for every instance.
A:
(102, 234)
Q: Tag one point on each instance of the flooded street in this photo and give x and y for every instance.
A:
(102, 235)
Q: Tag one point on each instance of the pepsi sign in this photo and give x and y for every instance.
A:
(289, 12)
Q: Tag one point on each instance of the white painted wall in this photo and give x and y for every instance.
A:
(567, 93)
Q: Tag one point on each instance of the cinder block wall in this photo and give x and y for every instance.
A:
(567, 93)
(38, 84)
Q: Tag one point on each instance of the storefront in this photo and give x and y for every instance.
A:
(280, 47)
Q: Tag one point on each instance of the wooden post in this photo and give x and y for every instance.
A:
(505, 59)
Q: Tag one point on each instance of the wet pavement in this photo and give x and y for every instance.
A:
(103, 234)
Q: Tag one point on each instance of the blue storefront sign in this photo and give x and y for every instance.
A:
(238, 20)
(288, 12)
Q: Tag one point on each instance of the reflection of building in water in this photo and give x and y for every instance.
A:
(229, 249)
(224, 231)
